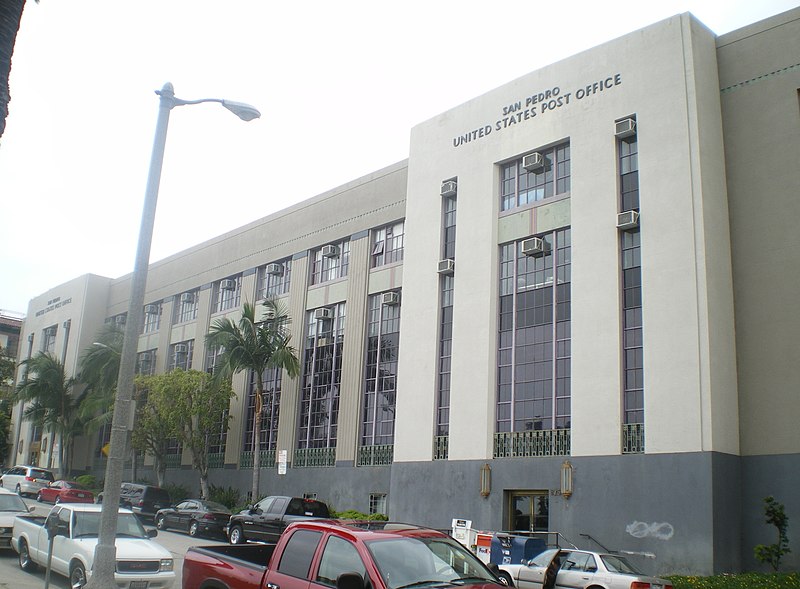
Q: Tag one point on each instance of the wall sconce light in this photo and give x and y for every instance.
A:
(486, 480)
(566, 479)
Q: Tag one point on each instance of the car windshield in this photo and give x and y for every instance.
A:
(418, 562)
(87, 523)
(42, 475)
(617, 564)
(12, 502)
(543, 559)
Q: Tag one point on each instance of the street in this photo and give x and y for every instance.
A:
(12, 577)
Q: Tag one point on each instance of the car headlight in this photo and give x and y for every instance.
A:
(5, 530)
(167, 564)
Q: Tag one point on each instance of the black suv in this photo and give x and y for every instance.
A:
(143, 500)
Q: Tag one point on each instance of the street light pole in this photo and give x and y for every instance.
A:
(122, 419)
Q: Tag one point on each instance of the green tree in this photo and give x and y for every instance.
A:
(7, 369)
(194, 406)
(153, 429)
(52, 402)
(254, 345)
(775, 515)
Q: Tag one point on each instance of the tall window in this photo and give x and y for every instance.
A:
(331, 261)
(270, 410)
(380, 386)
(387, 244)
(228, 293)
(520, 186)
(446, 283)
(152, 317)
(49, 339)
(186, 306)
(146, 363)
(274, 279)
(180, 355)
(631, 267)
(218, 436)
(322, 375)
(533, 388)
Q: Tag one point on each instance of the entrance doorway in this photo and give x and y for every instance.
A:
(528, 511)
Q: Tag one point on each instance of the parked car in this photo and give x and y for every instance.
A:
(266, 520)
(141, 562)
(326, 553)
(26, 480)
(195, 516)
(143, 500)
(579, 569)
(11, 505)
(65, 492)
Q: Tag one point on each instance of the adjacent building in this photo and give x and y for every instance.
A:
(570, 310)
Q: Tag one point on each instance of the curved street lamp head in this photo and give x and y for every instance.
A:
(242, 110)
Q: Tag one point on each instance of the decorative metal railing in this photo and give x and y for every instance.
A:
(375, 455)
(216, 460)
(548, 442)
(440, 446)
(173, 460)
(267, 459)
(314, 457)
(633, 438)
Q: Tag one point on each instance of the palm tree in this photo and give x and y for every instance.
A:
(10, 18)
(52, 402)
(256, 346)
(99, 368)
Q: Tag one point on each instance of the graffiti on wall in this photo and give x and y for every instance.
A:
(659, 531)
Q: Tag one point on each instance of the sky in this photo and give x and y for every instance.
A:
(339, 85)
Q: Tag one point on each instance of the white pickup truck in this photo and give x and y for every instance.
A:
(141, 563)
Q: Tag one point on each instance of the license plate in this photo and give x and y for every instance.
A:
(81, 495)
(139, 584)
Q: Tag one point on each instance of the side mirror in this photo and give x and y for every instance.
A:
(55, 527)
(349, 581)
(32, 508)
(151, 532)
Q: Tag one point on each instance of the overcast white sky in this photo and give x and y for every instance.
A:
(339, 85)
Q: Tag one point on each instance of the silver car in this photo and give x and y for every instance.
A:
(577, 569)
(26, 480)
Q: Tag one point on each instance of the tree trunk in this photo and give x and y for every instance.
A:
(257, 410)
(204, 485)
(161, 471)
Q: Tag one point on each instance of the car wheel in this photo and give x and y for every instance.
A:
(58, 499)
(25, 562)
(193, 529)
(39, 497)
(505, 579)
(18, 490)
(161, 523)
(236, 535)
(77, 576)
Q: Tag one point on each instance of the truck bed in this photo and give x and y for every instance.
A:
(251, 555)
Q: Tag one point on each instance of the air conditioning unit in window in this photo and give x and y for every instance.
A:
(323, 313)
(627, 220)
(227, 284)
(447, 266)
(449, 188)
(390, 298)
(275, 269)
(151, 309)
(534, 246)
(181, 348)
(187, 297)
(330, 251)
(533, 162)
(625, 128)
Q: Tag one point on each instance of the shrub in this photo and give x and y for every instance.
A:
(177, 492)
(771, 554)
(89, 481)
(229, 497)
(358, 515)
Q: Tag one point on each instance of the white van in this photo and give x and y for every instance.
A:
(26, 480)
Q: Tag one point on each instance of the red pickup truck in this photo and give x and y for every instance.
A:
(324, 553)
